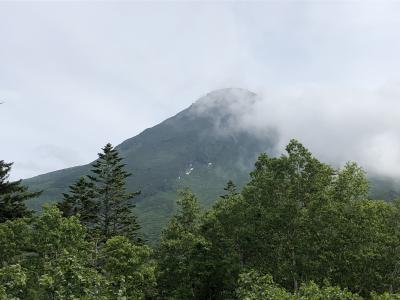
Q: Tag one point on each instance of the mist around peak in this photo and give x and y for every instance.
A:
(338, 124)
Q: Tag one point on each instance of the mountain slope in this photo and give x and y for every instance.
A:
(201, 148)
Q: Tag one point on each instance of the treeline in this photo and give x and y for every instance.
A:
(299, 229)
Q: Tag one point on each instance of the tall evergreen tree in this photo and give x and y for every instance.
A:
(13, 195)
(115, 215)
(230, 190)
(81, 200)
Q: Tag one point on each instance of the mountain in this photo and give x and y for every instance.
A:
(201, 148)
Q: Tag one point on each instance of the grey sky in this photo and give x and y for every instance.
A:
(76, 75)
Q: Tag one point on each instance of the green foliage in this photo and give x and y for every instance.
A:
(305, 224)
(276, 202)
(49, 257)
(128, 269)
(359, 246)
(350, 183)
(253, 286)
(14, 238)
(115, 205)
(52, 234)
(60, 258)
(69, 276)
(225, 260)
(311, 291)
(13, 196)
(299, 220)
(103, 204)
(12, 281)
(230, 189)
(54, 255)
(182, 253)
(81, 201)
(385, 296)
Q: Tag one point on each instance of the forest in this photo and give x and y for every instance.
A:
(299, 229)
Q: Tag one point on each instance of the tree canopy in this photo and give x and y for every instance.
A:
(300, 229)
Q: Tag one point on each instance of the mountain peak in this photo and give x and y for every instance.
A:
(233, 91)
(225, 103)
(201, 148)
(227, 97)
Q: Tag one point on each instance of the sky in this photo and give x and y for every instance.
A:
(76, 75)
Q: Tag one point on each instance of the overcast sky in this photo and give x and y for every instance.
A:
(76, 75)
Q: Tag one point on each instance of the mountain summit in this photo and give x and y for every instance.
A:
(201, 148)
(229, 98)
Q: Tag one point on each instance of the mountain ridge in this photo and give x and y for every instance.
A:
(201, 148)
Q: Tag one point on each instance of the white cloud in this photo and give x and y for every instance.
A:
(76, 75)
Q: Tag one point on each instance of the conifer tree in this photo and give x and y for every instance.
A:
(81, 200)
(230, 190)
(115, 215)
(13, 195)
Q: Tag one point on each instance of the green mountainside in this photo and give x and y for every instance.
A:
(201, 148)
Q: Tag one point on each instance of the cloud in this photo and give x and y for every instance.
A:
(76, 75)
(337, 125)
